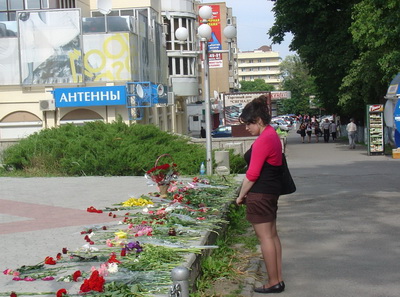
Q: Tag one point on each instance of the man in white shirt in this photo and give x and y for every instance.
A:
(351, 131)
(325, 127)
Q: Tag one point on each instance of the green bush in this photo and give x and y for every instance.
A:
(114, 149)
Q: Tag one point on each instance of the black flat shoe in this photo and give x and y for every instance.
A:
(282, 283)
(278, 288)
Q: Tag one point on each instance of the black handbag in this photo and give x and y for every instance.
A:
(288, 186)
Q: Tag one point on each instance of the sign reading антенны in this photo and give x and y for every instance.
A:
(90, 96)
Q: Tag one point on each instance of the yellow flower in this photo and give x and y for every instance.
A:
(121, 234)
(137, 202)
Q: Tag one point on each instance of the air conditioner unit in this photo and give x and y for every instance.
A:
(171, 98)
(47, 105)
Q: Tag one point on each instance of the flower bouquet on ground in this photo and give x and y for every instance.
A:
(163, 174)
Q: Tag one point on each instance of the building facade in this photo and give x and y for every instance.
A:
(262, 63)
(70, 61)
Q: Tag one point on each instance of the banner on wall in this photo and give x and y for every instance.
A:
(9, 61)
(107, 57)
(90, 96)
(50, 46)
(235, 102)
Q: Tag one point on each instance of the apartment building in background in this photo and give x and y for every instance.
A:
(262, 63)
(70, 61)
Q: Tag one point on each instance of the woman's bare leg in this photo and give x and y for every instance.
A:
(271, 250)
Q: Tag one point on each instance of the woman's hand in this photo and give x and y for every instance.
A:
(241, 200)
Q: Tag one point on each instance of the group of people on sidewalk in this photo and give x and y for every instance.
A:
(326, 129)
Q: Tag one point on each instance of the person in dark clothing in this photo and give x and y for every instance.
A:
(202, 132)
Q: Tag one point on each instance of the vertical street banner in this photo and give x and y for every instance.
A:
(215, 43)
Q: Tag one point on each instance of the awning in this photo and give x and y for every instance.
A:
(393, 91)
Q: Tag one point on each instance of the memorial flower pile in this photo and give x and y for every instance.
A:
(135, 255)
(163, 174)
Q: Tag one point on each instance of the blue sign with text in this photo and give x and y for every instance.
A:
(90, 96)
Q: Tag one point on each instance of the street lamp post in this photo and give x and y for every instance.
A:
(205, 32)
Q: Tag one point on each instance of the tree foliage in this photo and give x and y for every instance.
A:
(349, 47)
(257, 85)
(297, 79)
(321, 38)
(375, 31)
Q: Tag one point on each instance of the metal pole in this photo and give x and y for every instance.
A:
(180, 277)
(208, 107)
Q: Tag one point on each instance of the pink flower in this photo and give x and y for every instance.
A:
(109, 243)
(8, 272)
(103, 270)
(17, 278)
(29, 279)
(48, 278)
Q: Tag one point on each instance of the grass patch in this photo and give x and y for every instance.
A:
(222, 271)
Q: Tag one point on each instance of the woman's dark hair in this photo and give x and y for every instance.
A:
(256, 109)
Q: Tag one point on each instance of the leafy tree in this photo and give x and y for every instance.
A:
(296, 78)
(257, 85)
(322, 39)
(375, 31)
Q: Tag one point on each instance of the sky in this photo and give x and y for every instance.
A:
(254, 18)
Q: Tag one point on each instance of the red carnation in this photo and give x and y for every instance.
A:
(49, 261)
(113, 259)
(13, 294)
(61, 292)
(94, 283)
(77, 274)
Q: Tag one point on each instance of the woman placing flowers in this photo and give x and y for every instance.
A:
(261, 188)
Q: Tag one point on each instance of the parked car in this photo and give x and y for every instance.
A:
(222, 131)
(283, 125)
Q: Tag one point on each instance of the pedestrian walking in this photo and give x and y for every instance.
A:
(351, 129)
(333, 130)
(261, 189)
(302, 131)
(317, 132)
(325, 127)
(309, 129)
